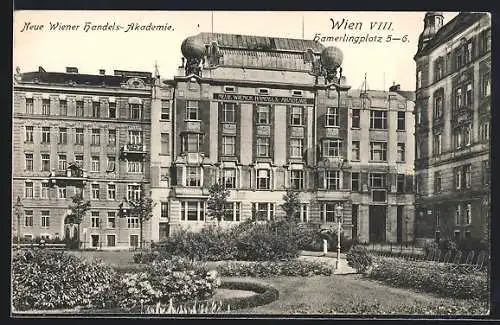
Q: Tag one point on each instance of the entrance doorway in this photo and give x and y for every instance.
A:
(377, 216)
(164, 230)
(95, 240)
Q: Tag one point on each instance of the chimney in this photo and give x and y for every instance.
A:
(71, 70)
(102, 72)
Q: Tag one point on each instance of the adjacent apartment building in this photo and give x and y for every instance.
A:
(263, 114)
(453, 127)
(85, 133)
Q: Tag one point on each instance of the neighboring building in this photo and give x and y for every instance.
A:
(79, 132)
(263, 114)
(453, 127)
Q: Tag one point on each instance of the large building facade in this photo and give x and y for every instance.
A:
(74, 133)
(263, 114)
(453, 127)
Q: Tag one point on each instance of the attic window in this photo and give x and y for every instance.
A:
(263, 91)
(229, 89)
(297, 93)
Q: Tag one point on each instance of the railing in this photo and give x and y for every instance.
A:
(134, 147)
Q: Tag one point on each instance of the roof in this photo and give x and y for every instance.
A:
(459, 23)
(263, 43)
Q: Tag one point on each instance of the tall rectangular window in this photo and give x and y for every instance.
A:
(355, 181)
(63, 135)
(133, 192)
(377, 180)
(28, 189)
(165, 110)
(437, 148)
(378, 151)
(164, 210)
(458, 215)
(45, 162)
(28, 218)
(28, 161)
(296, 116)
(192, 210)
(44, 193)
(297, 179)
(468, 214)
(332, 179)
(192, 142)
(332, 148)
(165, 144)
(61, 192)
(401, 152)
(111, 164)
(401, 183)
(232, 211)
(486, 85)
(96, 109)
(263, 115)
(45, 219)
(134, 166)
(437, 182)
(193, 176)
(229, 177)
(95, 164)
(296, 147)
(62, 163)
(356, 117)
(45, 107)
(228, 145)
(112, 138)
(134, 137)
(96, 137)
(95, 191)
(111, 192)
(263, 179)
(192, 110)
(332, 116)
(468, 95)
(467, 176)
(79, 160)
(132, 223)
(229, 112)
(45, 134)
(135, 111)
(79, 136)
(355, 151)
(327, 212)
(29, 106)
(28, 135)
(458, 178)
(112, 110)
(63, 108)
(111, 220)
(458, 98)
(79, 108)
(263, 147)
(401, 121)
(378, 120)
(263, 211)
(438, 107)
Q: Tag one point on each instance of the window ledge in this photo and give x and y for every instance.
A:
(332, 126)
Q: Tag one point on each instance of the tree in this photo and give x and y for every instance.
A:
(291, 204)
(143, 209)
(79, 208)
(217, 200)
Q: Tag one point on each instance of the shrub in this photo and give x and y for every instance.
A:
(267, 268)
(43, 280)
(147, 257)
(359, 258)
(265, 294)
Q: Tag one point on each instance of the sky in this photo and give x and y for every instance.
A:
(383, 62)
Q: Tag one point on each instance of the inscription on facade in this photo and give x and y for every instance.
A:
(332, 132)
(229, 128)
(193, 126)
(264, 99)
(263, 130)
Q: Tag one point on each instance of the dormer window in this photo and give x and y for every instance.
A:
(263, 91)
(229, 89)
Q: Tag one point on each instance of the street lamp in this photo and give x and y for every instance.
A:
(18, 210)
(338, 210)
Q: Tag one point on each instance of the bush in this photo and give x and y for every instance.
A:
(43, 280)
(265, 294)
(359, 258)
(267, 268)
(147, 257)
(37, 240)
(431, 277)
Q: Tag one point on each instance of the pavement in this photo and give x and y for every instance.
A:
(328, 258)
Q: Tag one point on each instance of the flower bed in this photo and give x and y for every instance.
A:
(431, 277)
(265, 269)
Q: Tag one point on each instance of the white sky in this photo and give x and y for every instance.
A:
(138, 50)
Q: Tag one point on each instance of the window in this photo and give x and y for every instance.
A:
(332, 179)
(132, 222)
(111, 192)
(468, 214)
(164, 138)
(355, 181)
(45, 107)
(419, 79)
(45, 134)
(96, 109)
(332, 148)
(484, 131)
(418, 184)
(44, 193)
(459, 58)
(28, 218)
(111, 219)
(328, 212)
(401, 152)
(262, 147)
(263, 179)
(232, 211)
(165, 109)
(355, 151)
(401, 183)
(112, 110)
(111, 240)
(438, 107)
(401, 121)
(468, 52)
(467, 176)
(29, 106)
(486, 172)
(458, 98)
(164, 210)
(135, 137)
(458, 213)
(95, 191)
(134, 166)
(96, 164)
(28, 161)
(437, 215)
(356, 118)
(303, 212)
(79, 136)
(437, 148)
(192, 210)
(296, 116)
(192, 110)
(95, 220)
(378, 120)
(439, 68)
(45, 162)
(112, 138)
(79, 160)
(263, 211)
(468, 95)
(193, 176)
(263, 115)
(45, 220)
(62, 163)
(79, 108)
(135, 111)
(229, 177)
(437, 182)
(96, 137)
(228, 145)
(28, 189)
(419, 112)
(164, 173)
(63, 108)
(332, 116)
(458, 178)
(486, 85)
(297, 179)
(457, 235)
(134, 240)
(228, 113)
(63, 135)
(457, 138)
(192, 142)
(111, 164)
(467, 135)
(377, 180)
(378, 151)
(133, 192)
(28, 135)
(296, 148)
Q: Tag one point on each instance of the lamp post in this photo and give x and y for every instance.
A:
(338, 210)
(18, 209)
